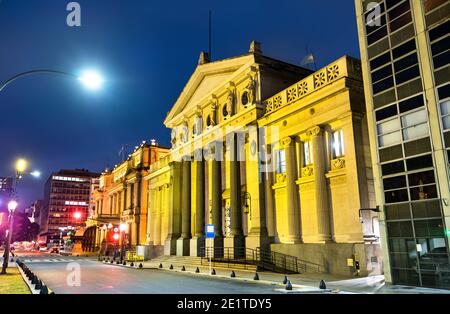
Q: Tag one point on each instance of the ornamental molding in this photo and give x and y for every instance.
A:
(280, 177)
(286, 141)
(337, 164)
(307, 171)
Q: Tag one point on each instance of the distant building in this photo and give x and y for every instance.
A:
(34, 211)
(67, 198)
(6, 189)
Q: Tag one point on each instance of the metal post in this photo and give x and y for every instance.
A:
(8, 243)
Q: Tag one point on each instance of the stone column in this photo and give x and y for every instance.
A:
(293, 207)
(321, 189)
(137, 209)
(236, 238)
(216, 198)
(198, 241)
(174, 229)
(183, 243)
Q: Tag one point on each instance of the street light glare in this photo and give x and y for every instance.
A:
(21, 165)
(91, 79)
(36, 174)
(12, 205)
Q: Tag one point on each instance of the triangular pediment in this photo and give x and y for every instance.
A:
(204, 81)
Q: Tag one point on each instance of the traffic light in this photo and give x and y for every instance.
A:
(116, 237)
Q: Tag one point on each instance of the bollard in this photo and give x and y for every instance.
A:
(38, 285)
(197, 270)
(213, 272)
(140, 265)
(124, 263)
(34, 280)
(171, 266)
(285, 280)
(117, 262)
(233, 275)
(288, 285)
(44, 290)
(160, 265)
(256, 277)
(183, 268)
(12, 260)
(132, 264)
(322, 285)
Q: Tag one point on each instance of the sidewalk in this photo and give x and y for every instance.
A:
(335, 283)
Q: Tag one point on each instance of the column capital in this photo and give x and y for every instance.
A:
(286, 141)
(314, 131)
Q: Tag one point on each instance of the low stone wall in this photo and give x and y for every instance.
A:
(333, 257)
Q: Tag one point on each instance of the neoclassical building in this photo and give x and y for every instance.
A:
(121, 198)
(276, 157)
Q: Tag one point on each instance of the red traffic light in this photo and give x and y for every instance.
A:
(77, 215)
(116, 236)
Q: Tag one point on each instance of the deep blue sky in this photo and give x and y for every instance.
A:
(147, 50)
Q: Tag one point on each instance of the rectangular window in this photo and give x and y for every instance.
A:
(414, 125)
(445, 113)
(281, 161)
(389, 132)
(307, 153)
(404, 49)
(380, 60)
(338, 144)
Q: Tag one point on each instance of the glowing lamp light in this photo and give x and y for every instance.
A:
(110, 226)
(21, 165)
(123, 227)
(116, 236)
(77, 215)
(91, 79)
(12, 205)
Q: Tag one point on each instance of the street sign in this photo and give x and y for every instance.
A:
(209, 231)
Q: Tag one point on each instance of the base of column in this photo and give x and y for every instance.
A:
(318, 238)
(234, 247)
(183, 246)
(293, 240)
(170, 246)
(197, 246)
(256, 241)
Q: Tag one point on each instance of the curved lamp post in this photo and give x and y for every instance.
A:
(89, 78)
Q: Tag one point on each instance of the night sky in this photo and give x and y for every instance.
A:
(146, 50)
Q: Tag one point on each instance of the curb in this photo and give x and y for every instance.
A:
(31, 286)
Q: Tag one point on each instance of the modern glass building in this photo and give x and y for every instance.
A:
(405, 52)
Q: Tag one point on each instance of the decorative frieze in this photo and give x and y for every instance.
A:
(337, 164)
(307, 171)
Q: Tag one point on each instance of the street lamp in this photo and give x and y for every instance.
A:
(122, 228)
(90, 79)
(12, 205)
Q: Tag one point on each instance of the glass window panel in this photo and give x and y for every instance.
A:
(445, 107)
(386, 112)
(444, 92)
(404, 49)
(419, 162)
(423, 192)
(416, 131)
(307, 151)
(414, 118)
(396, 196)
(429, 228)
(388, 126)
(403, 245)
(382, 73)
(400, 22)
(392, 3)
(399, 10)
(439, 31)
(421, 178)
(281, 161)
(407, 75)
(403, 260)
(440, 46)
(405, 277)
(442, 59)
(394, 183)
(405, 62)
(411, 103)
(397, 212)
(426, 209)
(383, 85)
(431, 4)
(377, 35)
(446, 122)
(338, 143)
(379, 61)
(393, 167)
(389, 139)
(399, 229)
(375, 23)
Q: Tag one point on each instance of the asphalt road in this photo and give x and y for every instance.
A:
(60, 274)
